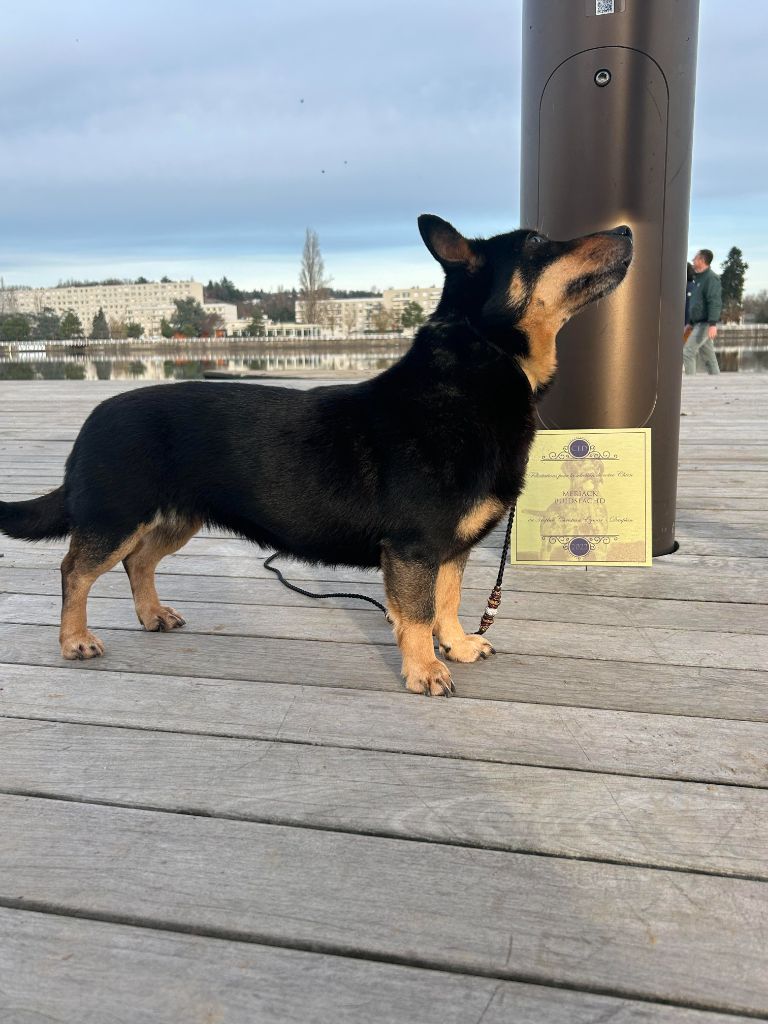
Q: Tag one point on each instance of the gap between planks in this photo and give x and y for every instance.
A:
(539, 810)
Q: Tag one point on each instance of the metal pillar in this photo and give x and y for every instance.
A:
(607, 126)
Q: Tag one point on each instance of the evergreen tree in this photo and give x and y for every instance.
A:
(223, 291)
(190, 319)
(256, 326)
(165, 329)
(47, 325)
(15, 327)
(412, 315)
(100, 328)
(71, 326)
(134, 330)
(280, 306)
(732, 280)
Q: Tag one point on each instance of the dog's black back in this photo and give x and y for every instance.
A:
(326, 474)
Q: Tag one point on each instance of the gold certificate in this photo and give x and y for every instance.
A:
(587, 498)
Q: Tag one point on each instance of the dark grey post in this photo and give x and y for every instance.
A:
(607, 131)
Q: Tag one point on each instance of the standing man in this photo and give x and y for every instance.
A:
(704, 310)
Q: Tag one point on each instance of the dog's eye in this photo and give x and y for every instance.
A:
(536, 240)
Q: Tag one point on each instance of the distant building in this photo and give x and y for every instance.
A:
(149, 304)
(146, 304)
(230, 322)
(396, 299)
(343, 317)
(307, 332)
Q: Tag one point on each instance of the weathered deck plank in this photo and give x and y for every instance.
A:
(633, 931)
(587, 815)
(662, 746)
(145, 976)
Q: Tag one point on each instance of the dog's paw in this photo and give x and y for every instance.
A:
(471, 648)
(161, 619)
(80, 646)
(432, 679)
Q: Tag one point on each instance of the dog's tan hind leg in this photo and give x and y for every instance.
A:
(140, 564)
(87, 559)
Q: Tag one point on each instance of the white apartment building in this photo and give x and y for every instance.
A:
(395, 299)
(230, 323)
(344, 317)
(146, 304)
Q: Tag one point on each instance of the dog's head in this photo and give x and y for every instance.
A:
(520, 288)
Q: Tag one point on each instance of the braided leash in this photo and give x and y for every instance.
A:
(488, 616)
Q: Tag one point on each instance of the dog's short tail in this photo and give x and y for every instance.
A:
(43, 518)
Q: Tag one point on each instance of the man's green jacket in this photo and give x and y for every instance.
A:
(706, 303)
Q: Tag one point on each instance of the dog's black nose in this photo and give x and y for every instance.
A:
(623, 229)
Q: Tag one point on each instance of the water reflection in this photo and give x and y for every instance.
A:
(193, 362)
(746, 360)
(198, 360)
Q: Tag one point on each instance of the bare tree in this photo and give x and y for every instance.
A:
(384, 321)
(212, 324)
(757, 306)
(8, 303)
(349, 319)
(117, 329)
(313, 284)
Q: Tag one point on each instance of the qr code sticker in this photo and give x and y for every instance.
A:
(604, 6)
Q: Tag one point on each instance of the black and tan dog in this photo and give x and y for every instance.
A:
(406, 471)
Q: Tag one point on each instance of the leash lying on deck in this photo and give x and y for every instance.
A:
(316, 597)
(489, 614)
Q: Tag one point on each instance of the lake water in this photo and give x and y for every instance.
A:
(193, 361)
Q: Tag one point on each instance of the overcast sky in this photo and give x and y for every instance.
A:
(159, 137)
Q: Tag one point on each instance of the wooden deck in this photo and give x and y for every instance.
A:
(251, 821)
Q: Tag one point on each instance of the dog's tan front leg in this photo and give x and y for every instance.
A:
(454, 642)
(410, 587)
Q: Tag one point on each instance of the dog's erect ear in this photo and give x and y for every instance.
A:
(447, 245)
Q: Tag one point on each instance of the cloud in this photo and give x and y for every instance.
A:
(153, 131)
